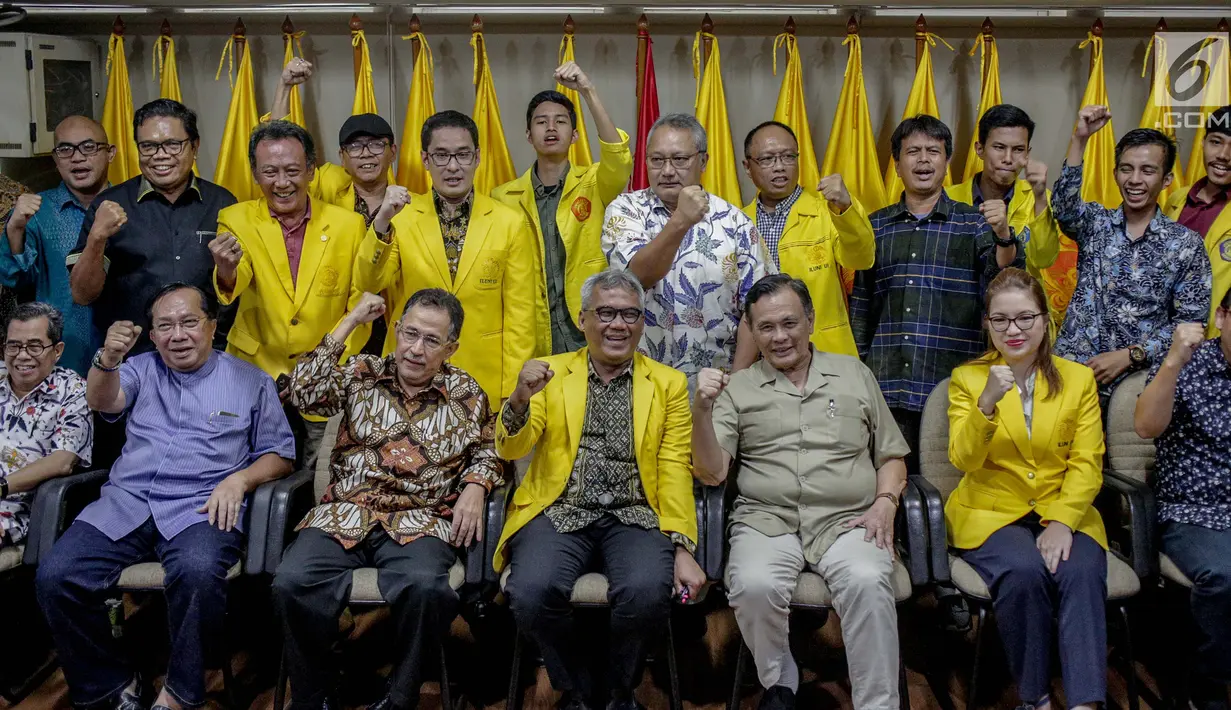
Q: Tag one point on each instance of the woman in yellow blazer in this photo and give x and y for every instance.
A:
(1026, 429)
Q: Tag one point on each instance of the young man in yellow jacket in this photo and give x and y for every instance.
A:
(1202, 207)
(290, 258)
(808, 235)
(466, 243)
(565, 204)
(1004, 146)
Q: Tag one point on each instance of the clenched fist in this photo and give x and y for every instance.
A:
(1036, 175)
(109, 218)
(396, 197)
(999, 382)
(27, 204)
(121, 337)
(535, 375)
(1090, 120)
(570, 76)
(1185, 340)
(693, 205)
(833, 189)
(369, 308)
(997, 216)
(296, 71)
(710, 383)
(227, 252)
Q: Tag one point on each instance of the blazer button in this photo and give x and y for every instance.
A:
(1032, 503)
(1030, 475)
(294, 321)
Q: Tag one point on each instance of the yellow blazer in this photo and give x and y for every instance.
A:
(579, 219)
(280, 319)
(662, 438)
(1056, 473)
(333, 184)
(1044, 244)
(814, 244)
(1217, 245)
(494, 275)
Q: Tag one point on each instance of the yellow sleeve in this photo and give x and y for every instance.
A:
(677, 507)
(1044, 245)
(376, 264)
(1084, 476)
(518, 296)
(511, 447)
(615, 167)
(970, 432)
(243, 274)
(856, 245)
(359, 336)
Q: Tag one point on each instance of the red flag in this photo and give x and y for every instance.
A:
(646, 116)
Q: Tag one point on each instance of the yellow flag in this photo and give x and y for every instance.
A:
(495, 163)
(1158, 105)
(232, 170)
(922, 100)
(579, 153)
(720, 177)
(1217, 58)
(291, 43)
(1099, 162)
(365, 92)
(118, 115)
(792, 111)
(421, 105)
(989, 96)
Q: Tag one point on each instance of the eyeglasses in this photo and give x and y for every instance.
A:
(35, 348)
(787, 159)
(430, 342)
(374, 148)
(463, 157)
(172, 147)
(607, 315)
(188, 324)
(1023, 322)
(679, 162)
(65, 151)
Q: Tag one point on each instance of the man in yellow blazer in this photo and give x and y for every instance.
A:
(466, 243)
(1202, 207)
(610, 484)
(808, 235)
(1005, 132)
(290, 258)
(565, 204)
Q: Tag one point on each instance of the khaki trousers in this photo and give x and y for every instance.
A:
(761, 576)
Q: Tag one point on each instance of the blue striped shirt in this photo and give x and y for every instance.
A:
(918, 313)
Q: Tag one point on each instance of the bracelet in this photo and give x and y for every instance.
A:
(1011, 241)
(892, 498)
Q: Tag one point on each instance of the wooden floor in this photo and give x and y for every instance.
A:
(938, 663)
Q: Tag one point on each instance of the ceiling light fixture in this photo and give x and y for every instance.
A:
(507, 9)
(963, 12)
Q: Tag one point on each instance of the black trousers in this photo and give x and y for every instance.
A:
(640, 568)
(313, 586)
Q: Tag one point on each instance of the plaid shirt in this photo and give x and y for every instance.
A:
(771, 223)
(918, 313)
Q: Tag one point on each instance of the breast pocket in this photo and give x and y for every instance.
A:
(801, 257)
(489, 269)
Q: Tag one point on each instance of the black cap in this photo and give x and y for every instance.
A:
(364, 124)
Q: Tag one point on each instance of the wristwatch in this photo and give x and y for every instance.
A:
(892, 498)
(1137, 355)
(1010, 242)
(97, 362)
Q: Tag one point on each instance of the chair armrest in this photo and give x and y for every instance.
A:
(256, 524)
(56, 503)
(291, 498)
(497, 504)
(912, 531)
(715, 536)
(934, 515)
(1142, 516)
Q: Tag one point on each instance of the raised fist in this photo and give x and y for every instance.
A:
(396, 197)
(999, 382)
(710, 383)
(997, 216)
(121, 337)
(227, 252)
(369, 308)
(534, 376)
(1036, 175)
(296, 71)
(833, 189)
(1185, 340)
(1090, 120)
(27, 204)
(570, 76)
(693, 204)
(109, 218)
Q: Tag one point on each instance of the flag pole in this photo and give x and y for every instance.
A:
(707, 28)
(415, 49)
(1097, 30)
(356, 25)
(117, 27)
(240, 33)
(921, 39)
(164, 31)
(989, 32)
(476, 27)
(643, 43)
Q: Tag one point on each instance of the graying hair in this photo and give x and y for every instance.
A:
(439, 299)
(609, 279)
(27, 312)
(683, 122)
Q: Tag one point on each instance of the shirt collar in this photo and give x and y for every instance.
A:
(816, 374)
(976, 190)
(1220, 196)
(541, 190)
(942, 210)
(439, 383)
(63, 197)
(1154, 227)
(458, 211)
(593, 374)
(7, 384)
(307, 217)
(783, 206)
(205, 370)
(145, 189)
(655, 203)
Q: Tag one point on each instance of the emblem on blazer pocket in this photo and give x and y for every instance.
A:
(490, 271)
(1068, 427)
(327, 283)
(818, 256)
(581, 208)
(1224, 250)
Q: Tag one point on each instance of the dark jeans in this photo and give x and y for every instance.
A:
(79, 575)
(908, 423)
(313, 585)
(1026, 597)
(640, 567)
(1204, 556)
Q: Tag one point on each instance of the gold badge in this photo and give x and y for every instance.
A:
(581, 208)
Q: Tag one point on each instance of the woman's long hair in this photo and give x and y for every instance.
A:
(1014, 279)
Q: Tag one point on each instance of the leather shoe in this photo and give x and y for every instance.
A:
(778, 697)
(130, 699)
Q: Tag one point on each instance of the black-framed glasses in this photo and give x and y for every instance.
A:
(463, 157)
(171, 147)
(1024, 322)
(607, 314)
(374, 148)
(787, 159)
(64, 151)
(679, 162)
(430, 343)
(34, 347)
(190, 325)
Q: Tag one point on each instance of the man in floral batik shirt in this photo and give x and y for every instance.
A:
(47, 427)
(695, 254)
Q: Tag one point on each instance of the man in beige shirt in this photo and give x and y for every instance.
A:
(819, 457)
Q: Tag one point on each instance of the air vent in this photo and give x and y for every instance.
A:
(49, 47)
(7, 43)
(11, 146)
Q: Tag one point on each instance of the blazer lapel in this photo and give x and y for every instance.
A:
(315, 241)
(643, 400)
(1047, 415)
(270, 232)
(428, 239)
(476, 235)
(576, 387)
(1014, 418)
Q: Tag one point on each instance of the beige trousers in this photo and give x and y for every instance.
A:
(761, 576)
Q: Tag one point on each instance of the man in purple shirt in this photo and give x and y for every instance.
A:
(204, 430)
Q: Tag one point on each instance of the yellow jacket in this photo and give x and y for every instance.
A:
(662, 439)
(1044, 244)
(1217, 245)
(280, 319)
(1056, 473)
(493, 277)
(814, 244)
(333, 185)
(579, 219)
